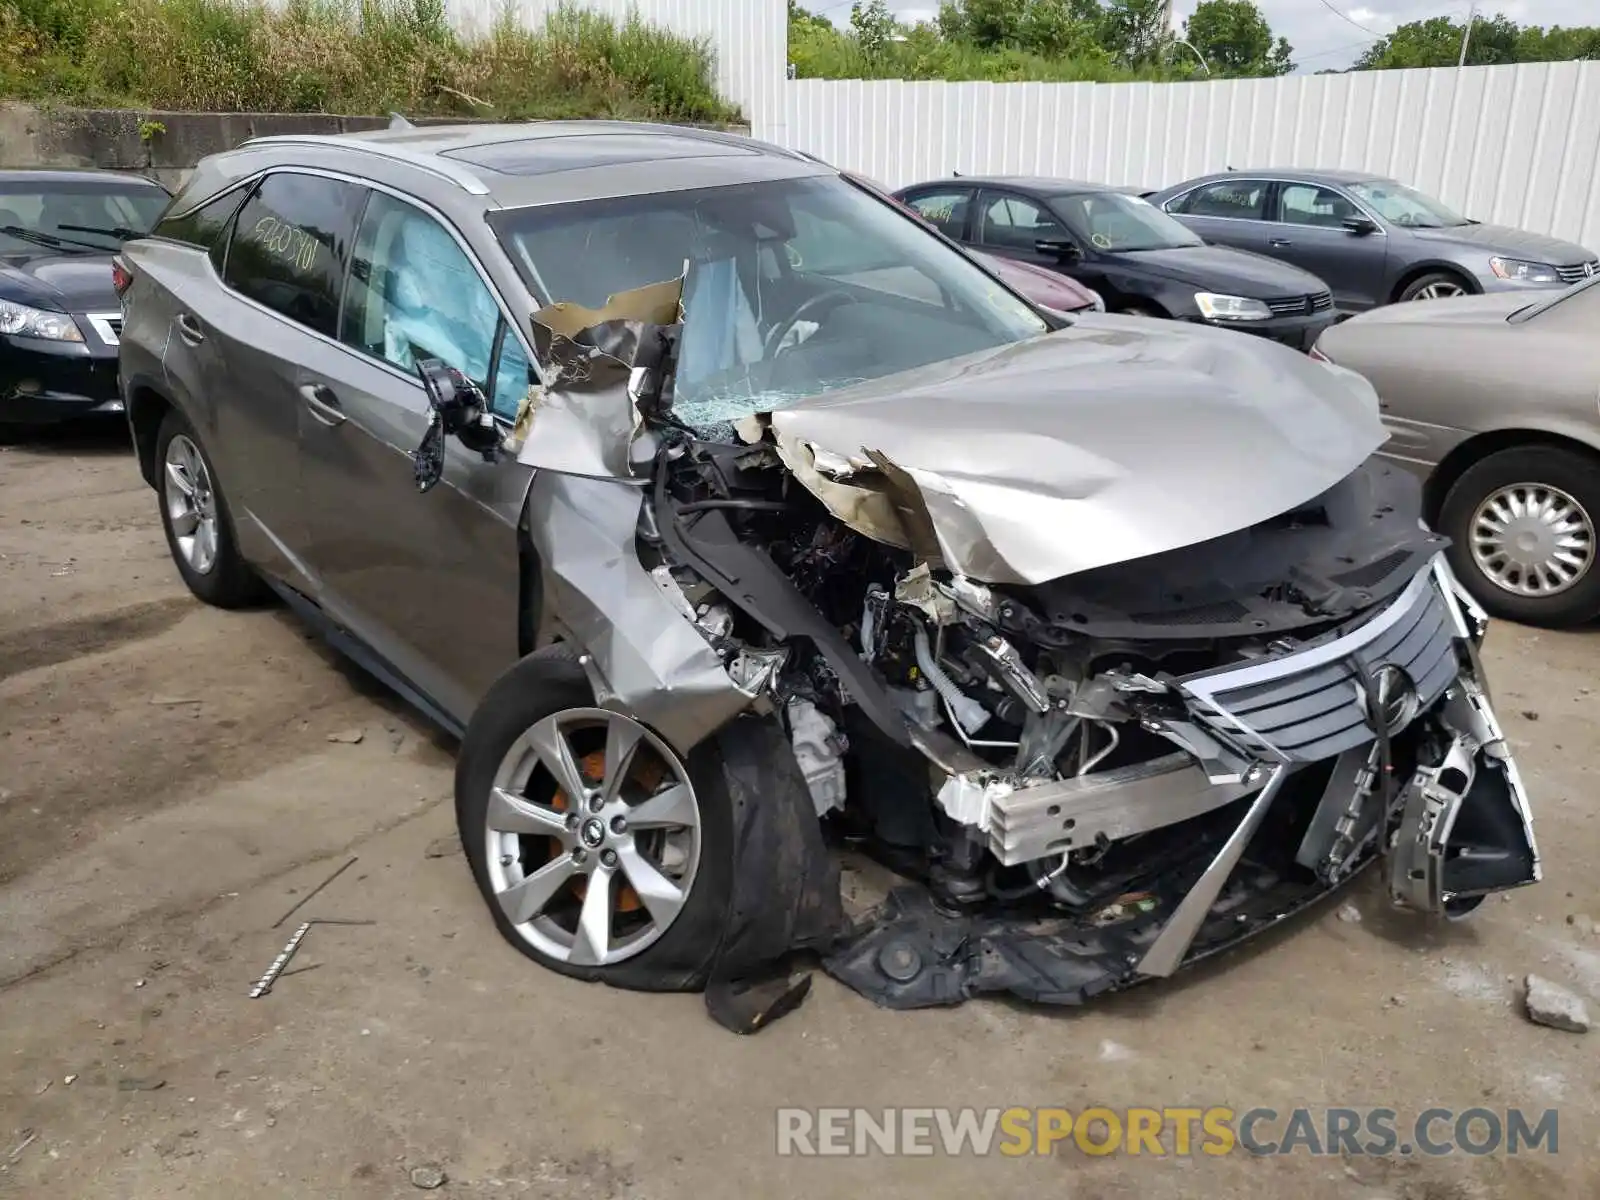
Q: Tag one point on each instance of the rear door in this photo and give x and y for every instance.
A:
(431, 581)
(1228, 212)
(240, 327)
(1309, 231)
(947, 209)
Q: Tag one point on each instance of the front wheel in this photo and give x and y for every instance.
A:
(599, 852)
(1522, 525)
(1436, 285)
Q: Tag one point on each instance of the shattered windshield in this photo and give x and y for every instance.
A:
(795, 287)
(75, 217)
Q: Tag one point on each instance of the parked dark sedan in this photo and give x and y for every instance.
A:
(60, 319)
(1135, 256)
(1373, 239)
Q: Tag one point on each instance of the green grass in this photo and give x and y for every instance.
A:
(349, 56)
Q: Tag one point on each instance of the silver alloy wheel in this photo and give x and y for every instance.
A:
(563, 845)
(1440, 291)
(1532, 539)
(191, 504)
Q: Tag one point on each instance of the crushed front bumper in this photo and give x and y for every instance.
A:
(1303, 768)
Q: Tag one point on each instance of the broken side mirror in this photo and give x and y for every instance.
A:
(456, 407)
(1063, 248)
(1360, 226)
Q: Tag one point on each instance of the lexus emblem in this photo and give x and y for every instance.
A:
(1394, 696)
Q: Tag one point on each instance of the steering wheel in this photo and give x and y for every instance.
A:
(830, 299)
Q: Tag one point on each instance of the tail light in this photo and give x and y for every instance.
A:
(121, 277)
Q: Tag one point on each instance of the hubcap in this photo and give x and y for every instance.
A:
(1440, 291)
(1532, 539)
(191, 504)
(600, 889)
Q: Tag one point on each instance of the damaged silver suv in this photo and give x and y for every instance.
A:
(732, 516)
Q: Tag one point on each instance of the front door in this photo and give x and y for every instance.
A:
(1012, 225)
(430, 581)
(1309, 231)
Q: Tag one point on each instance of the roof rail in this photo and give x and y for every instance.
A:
(444, 168)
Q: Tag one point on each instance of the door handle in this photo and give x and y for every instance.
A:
(189, 329)
(1279, 242)
(323, 404)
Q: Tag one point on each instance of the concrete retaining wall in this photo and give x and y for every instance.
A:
(162, 145)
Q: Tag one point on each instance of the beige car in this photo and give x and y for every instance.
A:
(1496, 401)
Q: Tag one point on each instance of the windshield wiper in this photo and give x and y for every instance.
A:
(48, 241)
(121, 232)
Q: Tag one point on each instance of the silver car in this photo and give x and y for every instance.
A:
(1493, 399)
(728, 512)
(1373, 239)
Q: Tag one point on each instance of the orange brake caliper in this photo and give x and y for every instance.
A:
(593, 766)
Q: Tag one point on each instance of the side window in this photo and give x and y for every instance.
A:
(513, 376)
(291, 244)
(205, 227)
(414, 294)
(1017, 223)
(1308, 204)
(1241, 199)
(946, 210)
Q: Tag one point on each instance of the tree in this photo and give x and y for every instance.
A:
(986, 23)
(1136, 30)
(1436, 42)
(1235, 39)
(874, 27)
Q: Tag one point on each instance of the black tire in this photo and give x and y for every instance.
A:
(230, 583)
(1422, 283)
(1576, 474)
(1142, 310)
(547, 682)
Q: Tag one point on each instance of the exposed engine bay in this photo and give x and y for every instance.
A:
(1047, 753)
(1085, 777)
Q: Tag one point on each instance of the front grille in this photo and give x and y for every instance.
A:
(1581, 271)
(1298, 306)
(1311, 704)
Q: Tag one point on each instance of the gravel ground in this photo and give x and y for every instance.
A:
(168, 789)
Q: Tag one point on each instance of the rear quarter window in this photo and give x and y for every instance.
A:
(204, 227)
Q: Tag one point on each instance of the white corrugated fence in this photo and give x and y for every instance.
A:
(1517, 144)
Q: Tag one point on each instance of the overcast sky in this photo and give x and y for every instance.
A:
(1323, 39)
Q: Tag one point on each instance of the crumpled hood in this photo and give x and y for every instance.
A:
(1109, 441)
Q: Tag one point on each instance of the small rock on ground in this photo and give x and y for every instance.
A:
(428, 1176)
(1350, 914)
(347, 737)
(443, 847)
(1553, 1005)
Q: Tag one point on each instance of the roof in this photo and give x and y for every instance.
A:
(544, 161)
(75, 175)
(1043, 185)
(1305, 175)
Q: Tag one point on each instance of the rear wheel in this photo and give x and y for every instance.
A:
(197, 522)
(1435, 285)
(1523, 528)
(599, 853)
